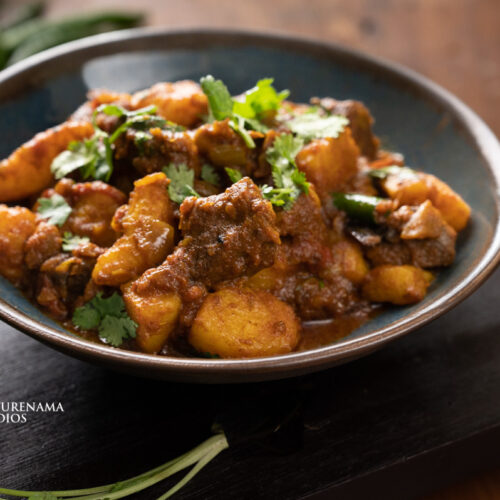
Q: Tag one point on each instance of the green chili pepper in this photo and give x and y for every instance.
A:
(357, 206)
(23, 14)
(35, 35)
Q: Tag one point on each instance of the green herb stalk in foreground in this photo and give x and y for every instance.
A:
(199, 457)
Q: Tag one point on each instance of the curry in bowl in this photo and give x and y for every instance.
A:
(179, 220)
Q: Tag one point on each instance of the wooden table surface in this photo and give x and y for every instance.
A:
(454, 42)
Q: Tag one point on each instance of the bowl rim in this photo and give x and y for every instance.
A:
(479, 134)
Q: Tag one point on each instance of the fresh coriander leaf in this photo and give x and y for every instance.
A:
(114, 331)
(219, 98)
(109, 316)
(259, 100)
(233, 174)
(181, 182)
(289, 182)
(243, 115)
(279, 197)
(312, 125)
(78, 155)
(86, 317)
(209, 174)
(109, 306)
(138, 122)
(111, 110)
(93, 157)
(238, 125)
(72, 241)
(54, 209)
(300, 180)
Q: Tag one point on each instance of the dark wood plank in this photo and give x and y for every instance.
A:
(435, 387)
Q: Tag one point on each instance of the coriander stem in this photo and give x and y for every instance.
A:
(98, 489)
(190, 458)
(220, 446)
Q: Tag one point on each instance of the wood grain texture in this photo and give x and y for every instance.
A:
(419, 414)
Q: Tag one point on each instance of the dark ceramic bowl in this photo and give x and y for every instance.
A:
(432, 128)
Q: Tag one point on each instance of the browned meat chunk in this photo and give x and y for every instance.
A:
(230, 234)
(44, 243)
(164, 147)
(61, 280)
(360, 122)
(389, 253)
(434, 252)
(303, 230)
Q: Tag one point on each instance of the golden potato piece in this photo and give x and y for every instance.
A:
(426, 222)
(407, 190)
(350, 259)
(27, 170)
(17, 224)
(222, 145)
(329, 163)
(399, 285)
(156, 316)
(244, 323)
(181, 102)
(148, 237)
(451, 205)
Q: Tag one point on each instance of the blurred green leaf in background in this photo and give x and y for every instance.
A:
(27, 32)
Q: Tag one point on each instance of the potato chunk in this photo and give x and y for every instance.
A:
(349, 257)
(181, 102)
(407, 190)
(148, 237)
(451, 205)
(27, 170)
(329, 163)
(156, 316)
(244, 323)
(399, 285)
(222, 145)
(17, 224)
(415, 189)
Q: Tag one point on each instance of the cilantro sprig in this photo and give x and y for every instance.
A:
(233, 174)
(313, 125)
(54, 209)
(181, 182)
(72, 241)
(208, 174)
(196, 458)
(93, 157)
(108, 316)
(289, 181)
(243, 114)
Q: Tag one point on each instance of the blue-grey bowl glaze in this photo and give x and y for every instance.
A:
(434, 131)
